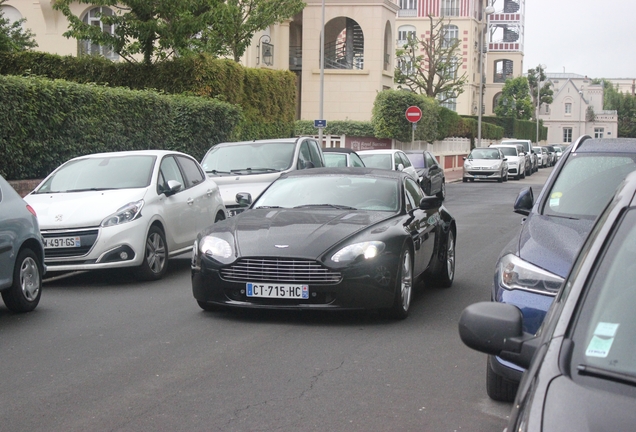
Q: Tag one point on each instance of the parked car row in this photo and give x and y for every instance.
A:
(559, 327)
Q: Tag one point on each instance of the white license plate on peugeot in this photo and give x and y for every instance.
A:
(62, 242)
(282, 291)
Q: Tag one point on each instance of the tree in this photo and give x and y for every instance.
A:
(545, 92)
(430, 66)
(625, 105)
(236, 22)
(515, 100)
(389, 119)
(12, 36)
(155, 29)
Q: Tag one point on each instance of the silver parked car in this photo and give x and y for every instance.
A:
(21, 252)
(485, 163)
(390, 159)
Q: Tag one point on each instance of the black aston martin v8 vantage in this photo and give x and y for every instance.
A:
(327, 238)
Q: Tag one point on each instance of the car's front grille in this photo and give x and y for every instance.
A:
(481, 173)
(279, 270)
(87, 240)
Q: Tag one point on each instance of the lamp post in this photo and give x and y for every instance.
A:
(580, 107)
(540, 69)
(322, 70)
(488, 10)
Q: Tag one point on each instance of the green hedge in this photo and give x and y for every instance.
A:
(267, 97)
(513, 128)
(338, 127)
(46, 122)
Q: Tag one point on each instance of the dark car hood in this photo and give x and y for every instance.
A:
(572, 407)
(552, 243)
(297, 232)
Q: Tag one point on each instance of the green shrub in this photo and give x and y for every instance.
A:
(389, 119)
(46, 122)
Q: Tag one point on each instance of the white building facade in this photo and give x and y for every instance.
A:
(577, 109)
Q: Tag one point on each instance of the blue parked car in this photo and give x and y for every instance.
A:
(21, 252)
(531, 269)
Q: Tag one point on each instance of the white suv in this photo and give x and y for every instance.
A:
(517, 167)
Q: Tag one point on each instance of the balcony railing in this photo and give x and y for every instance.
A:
(407, 13)
(449, 12)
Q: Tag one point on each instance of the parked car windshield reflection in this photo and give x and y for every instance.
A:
(582, 189)
(101, 173)
(383, 161)
(339, 191)
(484, 154)
(249, 156)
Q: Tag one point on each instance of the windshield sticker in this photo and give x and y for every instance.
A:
(602, 340)
(555, 198)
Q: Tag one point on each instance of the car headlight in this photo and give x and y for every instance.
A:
(215, 247)
(515, 273)
(368, 250)
(512, 163)
(468, 165)
(127, 213)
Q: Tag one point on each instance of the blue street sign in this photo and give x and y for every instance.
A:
(320, 123)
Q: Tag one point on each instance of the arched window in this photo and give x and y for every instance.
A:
(451, 35)
(503, 70)
(344, 44)
(93, 18)
(10, 13)
(404, 32)
(495, 101)
(388, 49)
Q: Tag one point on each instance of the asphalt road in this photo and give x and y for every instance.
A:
(105, 353)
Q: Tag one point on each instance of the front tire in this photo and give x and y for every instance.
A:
(25, 292)
(446, 274)
(498, 387)
(155, 263)
(403, 286)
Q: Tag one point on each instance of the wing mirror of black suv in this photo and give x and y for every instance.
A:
(497, 329)
(524, 201)
(430, 202)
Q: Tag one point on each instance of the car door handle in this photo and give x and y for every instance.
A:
(209, 192)
(190, 201)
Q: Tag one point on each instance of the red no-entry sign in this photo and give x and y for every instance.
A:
(413, 114)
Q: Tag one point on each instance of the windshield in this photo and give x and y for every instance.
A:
(270, 156)
(355, 192)
(383, 161)
(586, 183)
(508, 151)
(606, 330)
(101, 173)
(417, 159)
(484, 154)
(335, 159)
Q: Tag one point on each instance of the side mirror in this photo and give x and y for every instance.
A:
(430, 202)
(400, 167)
(308, 164)
(524, 202)
(244, 199)
(173, 187)
(464, 158)
(505, 158)
(497, 329)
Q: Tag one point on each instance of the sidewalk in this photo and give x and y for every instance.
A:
(453, 175)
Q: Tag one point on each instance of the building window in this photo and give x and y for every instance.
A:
(405, 64)
(451, 35)
(547, 109)
(449, 8)
(93, 17)
(450, 102)
(503, 70)
(404, 33)
(495, 101)
(388, 48)
(598, 132)
(567, 135)
(408, 4)
(568, 108)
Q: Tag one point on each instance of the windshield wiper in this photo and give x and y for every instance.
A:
(255, 169)
(88, 189)
(218, 172)
(606, 374)
(268, 207)
(336, 206)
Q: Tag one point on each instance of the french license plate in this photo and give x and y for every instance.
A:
(62, 242)
(481, 176)
(266, 290)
